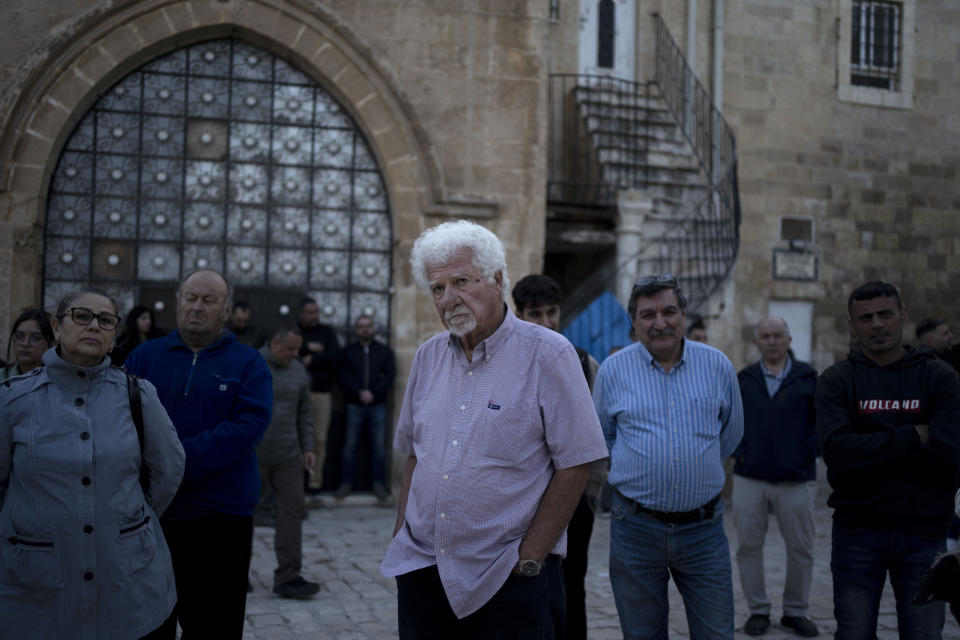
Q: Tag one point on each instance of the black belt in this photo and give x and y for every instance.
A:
(674, 517)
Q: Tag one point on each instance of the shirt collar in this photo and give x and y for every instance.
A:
(647, 357)
(492, 343)
(57, 367)
(783, 372)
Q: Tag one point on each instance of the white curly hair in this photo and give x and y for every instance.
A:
(437, 244)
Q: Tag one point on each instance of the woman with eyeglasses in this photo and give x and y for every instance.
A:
(82, 554)
(30, 337)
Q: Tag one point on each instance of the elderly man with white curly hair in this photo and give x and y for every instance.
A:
(499, 429)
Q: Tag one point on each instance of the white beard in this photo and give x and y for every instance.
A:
(462, 324)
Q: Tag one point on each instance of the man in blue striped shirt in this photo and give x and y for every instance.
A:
(671, 412)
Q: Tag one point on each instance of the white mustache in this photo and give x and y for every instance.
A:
(458, 311)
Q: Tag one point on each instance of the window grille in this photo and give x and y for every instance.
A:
(221, 155)
(875, 44)
(605, 33)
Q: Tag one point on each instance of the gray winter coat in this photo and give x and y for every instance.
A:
(291, 428)
(82, 554)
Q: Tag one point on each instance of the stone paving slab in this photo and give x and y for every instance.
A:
(344, 543)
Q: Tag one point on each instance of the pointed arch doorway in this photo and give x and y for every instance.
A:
(222, 155)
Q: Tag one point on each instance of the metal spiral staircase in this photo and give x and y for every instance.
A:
(665, 137)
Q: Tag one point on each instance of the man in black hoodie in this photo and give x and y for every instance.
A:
(366, 376)
(775, 470)
(888, 420)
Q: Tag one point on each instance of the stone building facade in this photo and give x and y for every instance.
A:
(451, 100)
(871, 172)
(446, 96)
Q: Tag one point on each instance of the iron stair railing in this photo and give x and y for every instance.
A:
(699, 241)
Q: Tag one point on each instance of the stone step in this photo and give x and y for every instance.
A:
(586, 94)
(668, 136)
(636, 120)
(666, 145)
(654, 175)
(646, 158)
(624, 175)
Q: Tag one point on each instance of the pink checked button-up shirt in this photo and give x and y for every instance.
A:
(488, 436)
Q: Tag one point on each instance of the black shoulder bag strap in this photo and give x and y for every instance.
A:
(136, 408)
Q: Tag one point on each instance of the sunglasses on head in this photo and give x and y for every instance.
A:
(666, 279)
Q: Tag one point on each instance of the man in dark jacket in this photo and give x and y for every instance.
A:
(775, 469)
(887, 420)
(219, 395)
(320, 354)
(366, 375)
(537, 298)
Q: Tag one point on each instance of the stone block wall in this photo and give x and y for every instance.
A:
(880, 183)
(451, 96)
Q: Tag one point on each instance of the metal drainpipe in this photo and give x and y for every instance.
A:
(717, 79)
(718, 54)
(691, 60)
(717, 94)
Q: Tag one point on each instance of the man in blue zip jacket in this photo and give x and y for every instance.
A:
(775, 468)
(219, 395)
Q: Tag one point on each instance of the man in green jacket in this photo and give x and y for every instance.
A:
(286, 449)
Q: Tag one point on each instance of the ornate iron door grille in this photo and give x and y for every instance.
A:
(225, 156)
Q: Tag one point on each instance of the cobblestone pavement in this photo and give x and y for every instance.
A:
(344, 542)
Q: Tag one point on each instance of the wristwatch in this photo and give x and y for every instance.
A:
(529, 568)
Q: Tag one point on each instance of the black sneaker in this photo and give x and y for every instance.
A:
(296, 588)
(801, 626)
(757, 625)
(342, 491)
(380, 491)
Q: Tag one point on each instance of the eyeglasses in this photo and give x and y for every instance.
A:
(33, 339)
(107, 321)
(666, 279)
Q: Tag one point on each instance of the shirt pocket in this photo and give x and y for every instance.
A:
(138, 541)
(704, 416)
(31, 562)
(511, 434)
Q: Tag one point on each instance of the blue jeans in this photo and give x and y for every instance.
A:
(860, 559)
(357, 414)
(645, 552)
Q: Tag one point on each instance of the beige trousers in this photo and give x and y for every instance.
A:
(320, 407)
(792, 502)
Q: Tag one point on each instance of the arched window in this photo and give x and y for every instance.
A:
(222, 155)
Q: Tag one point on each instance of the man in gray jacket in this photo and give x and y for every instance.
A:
(285, 450)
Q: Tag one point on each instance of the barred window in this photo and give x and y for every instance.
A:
(875, 44)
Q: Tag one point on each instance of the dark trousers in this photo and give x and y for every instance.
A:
(211, 558)
(860, 561)
(287, 483)
(523, 609)
(575, 570)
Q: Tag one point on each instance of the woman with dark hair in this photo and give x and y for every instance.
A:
(140, 326)
(82, 484)
(30, 337)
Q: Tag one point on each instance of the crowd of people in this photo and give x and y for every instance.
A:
(127, 494)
